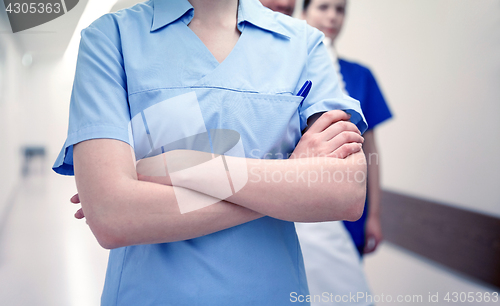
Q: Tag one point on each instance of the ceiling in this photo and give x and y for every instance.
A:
(46, 40)
(51, 39)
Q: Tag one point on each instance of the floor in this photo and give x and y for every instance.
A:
(47, 257)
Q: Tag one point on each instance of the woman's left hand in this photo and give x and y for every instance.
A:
(76, 200)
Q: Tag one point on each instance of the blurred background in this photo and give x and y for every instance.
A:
(438, 64)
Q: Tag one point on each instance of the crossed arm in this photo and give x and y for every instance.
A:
(123, 210)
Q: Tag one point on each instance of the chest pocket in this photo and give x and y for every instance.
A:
(269, 125)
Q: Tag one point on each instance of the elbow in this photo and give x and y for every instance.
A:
(107, 233)
(108, 226)
(349, 206)
(356, 206)
(106, 213)
(355, 203)
(110, 244)
(106, 243)
(349, 192)
(109, 241)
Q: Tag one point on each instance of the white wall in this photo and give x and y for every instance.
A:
(438, 63)
(11, 117)
(33, 111)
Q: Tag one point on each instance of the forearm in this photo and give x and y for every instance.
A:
(374, 192)
(325, 179)
(151, 215)
(373, 167)
(306, 190)
(121, 210)
(373, 229)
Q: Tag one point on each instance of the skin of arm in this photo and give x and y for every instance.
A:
(122, 210)
(277, 188)
(373, 227)
(314, 198)
(303, 189)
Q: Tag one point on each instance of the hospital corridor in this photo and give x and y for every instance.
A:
(437, 64)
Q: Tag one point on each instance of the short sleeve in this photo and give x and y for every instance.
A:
(325, 94)
(99, 106)
(374, 107)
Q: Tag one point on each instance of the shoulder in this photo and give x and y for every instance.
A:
(354, 66)
(115, 24)
(294, 26)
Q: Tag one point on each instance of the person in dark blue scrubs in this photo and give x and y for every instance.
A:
(359, 83)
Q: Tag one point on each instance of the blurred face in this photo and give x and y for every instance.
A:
(326, 15)
(283, 6)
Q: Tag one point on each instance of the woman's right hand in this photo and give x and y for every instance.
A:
(331, 135)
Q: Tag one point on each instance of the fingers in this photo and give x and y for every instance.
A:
(75, 199)
(330, 135)
(344, 138)
(328, 119)
(79, 214)
(339, 127)
(344, 144)
(340, 146)
(345, 150)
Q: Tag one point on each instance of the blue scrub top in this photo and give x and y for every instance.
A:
(138, 57)
(362, 86)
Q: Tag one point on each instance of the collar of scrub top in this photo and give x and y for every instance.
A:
(251, 11)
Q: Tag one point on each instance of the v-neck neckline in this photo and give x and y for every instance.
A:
(208, 54)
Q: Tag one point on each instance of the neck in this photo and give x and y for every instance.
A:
(215, 11)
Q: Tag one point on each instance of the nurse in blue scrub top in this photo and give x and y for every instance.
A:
(182, 118)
